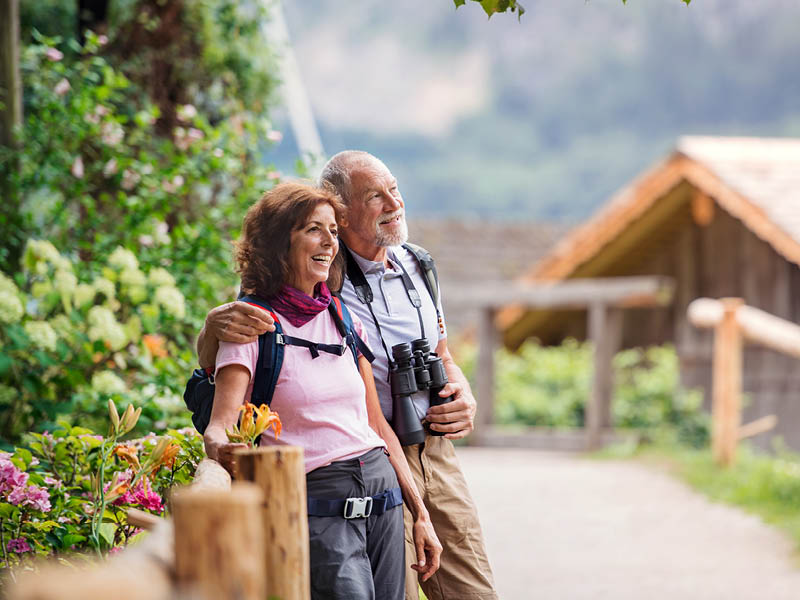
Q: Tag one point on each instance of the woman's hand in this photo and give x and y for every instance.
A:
(429, 549)
(220, 449)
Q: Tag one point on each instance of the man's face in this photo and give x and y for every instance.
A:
(376, 213)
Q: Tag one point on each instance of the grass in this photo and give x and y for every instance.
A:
(765, 485)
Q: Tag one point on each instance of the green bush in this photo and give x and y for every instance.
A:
(547, 386)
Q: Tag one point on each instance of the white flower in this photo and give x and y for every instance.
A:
(7, 285)
(62, 87)
(171, 300)
(106, 382)
(40, 289)
(187, 112)
(104, 326)
(62, 326)
(132, 277)
(11, 309)
(146, 240)
(36, 250)
(77, 168)
(274, 136)
(84, 293)
(53, 54)
(159, 276)
(104, 286)
(194, 135)
(129, 179)
(218, 152)
(122, 258)
(65, 282)
(111, 133)
(41, 334)
(110, 168)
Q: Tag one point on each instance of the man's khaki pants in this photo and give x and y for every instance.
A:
(464, 573)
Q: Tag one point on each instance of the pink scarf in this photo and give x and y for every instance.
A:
(300, 308)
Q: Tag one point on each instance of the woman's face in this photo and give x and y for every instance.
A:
(312, 248)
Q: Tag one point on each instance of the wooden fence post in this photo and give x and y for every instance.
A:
(605, 329)
(726, 384)
(484, 372)
(219, 543)
(279, 473)
(10, 82)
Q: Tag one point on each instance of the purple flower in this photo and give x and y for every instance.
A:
(19, 545)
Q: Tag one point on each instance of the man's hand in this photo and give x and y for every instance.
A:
(455, 418)
(238, 322)
(429, 549)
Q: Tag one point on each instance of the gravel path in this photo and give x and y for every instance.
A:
(561, 526)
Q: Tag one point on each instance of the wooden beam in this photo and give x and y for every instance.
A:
(485, 372)
(279, 472)
(574, 293)
(219, 542)
(605, 332)
(10, 82)
(762, 425)
(726, 403)
(757, 326)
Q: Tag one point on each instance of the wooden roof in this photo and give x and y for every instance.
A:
(756, 180)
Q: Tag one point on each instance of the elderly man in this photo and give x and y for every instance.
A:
(374, 234)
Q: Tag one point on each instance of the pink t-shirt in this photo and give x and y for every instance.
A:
(321, 401)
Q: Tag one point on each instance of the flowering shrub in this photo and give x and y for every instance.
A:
(69, 490)
(68, 344)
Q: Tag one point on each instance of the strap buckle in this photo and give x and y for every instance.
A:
(355, 508)
(279, 339)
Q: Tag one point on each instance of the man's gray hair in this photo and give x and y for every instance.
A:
(336, 171)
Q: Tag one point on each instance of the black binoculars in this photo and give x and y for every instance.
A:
(414, 368)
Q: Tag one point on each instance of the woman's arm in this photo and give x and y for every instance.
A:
(230, 387)
(236, 322)
(427, 544)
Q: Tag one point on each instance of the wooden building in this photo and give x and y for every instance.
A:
(722, 217)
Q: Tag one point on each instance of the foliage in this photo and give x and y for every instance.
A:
(70, 343)
(500, 6)
(67, 491)
(548, 387)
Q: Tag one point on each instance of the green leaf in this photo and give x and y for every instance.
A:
(71, 539)
(107, 531)
(6, 510)
(459, 2)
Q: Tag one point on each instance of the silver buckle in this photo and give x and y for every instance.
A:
(279, 339)
(355, 508)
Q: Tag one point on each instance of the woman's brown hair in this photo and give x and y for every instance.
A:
(262, 252)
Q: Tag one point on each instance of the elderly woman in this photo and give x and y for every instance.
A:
(286, 255)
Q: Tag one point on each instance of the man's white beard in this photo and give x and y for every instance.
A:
(385, 239)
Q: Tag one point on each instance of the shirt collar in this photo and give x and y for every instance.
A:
(371, 266)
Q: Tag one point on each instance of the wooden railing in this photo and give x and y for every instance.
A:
(733, 323)
(242, 541)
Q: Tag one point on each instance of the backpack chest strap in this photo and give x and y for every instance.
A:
(314, 347)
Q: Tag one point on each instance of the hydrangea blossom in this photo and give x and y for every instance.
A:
(160, 276)
(10, 476)
(104, 326)
(30, 495)
(104, 286)
(65, 282)
(41, 334)
(19, 545)
(7, 285)
(122, 258)
(106, 382)
(84, 293)
(11, 309)
(36, 250)
(171, 300)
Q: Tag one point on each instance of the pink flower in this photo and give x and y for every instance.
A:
(274, 136)
(19, 545)
(111, 133)
(145, 240)
(62, 87)
(172, 186)
(274, 175)
(77, 168)
(187, 112)
(102, 40)
(110, 167)
(30, 495)
(218, 152)
(53, 482)
(194, 134)
(11, 477)
(54, 54)
(115, 550)
(129, 179)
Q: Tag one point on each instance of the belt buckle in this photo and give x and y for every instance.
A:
(355, 508)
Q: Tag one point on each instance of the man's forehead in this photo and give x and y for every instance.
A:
(370, 176)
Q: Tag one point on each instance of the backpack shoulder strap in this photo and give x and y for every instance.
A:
(344, 322)
(270, 356)
(429, 273)
(356, 276)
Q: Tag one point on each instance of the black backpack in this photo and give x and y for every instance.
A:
(199, 393)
